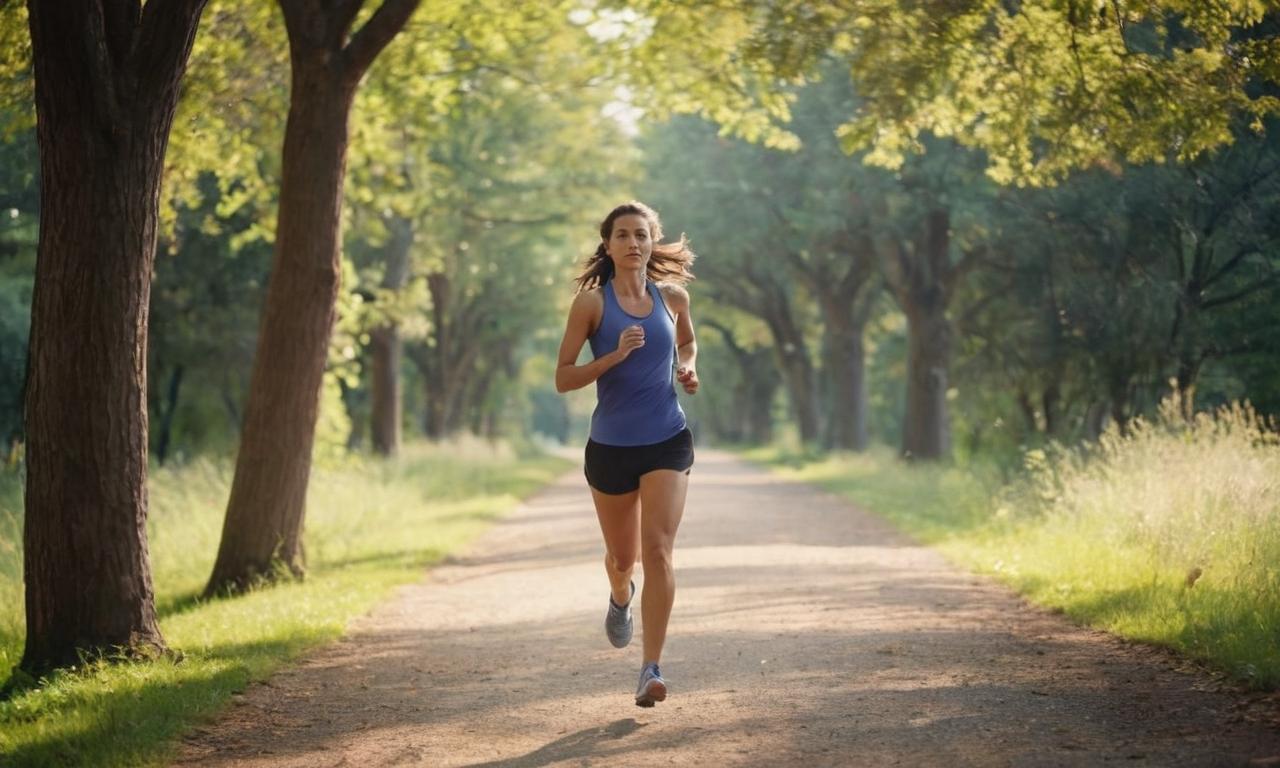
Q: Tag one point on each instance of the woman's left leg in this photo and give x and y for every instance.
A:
(662, 496)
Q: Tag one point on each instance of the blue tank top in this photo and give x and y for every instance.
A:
(636, 399)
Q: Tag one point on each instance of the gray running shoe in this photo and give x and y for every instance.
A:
(652, 687)
(617, 622)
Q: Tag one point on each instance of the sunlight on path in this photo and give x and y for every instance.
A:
(804, 632)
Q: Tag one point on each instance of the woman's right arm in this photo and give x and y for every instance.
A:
(587, 307)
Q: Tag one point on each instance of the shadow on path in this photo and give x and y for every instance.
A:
(805, 633)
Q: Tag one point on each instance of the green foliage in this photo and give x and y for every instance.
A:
(1041, 87)
(494, 161)
(19, 205)
(17, 86)
(371, 526)
(230, 120)
(15, 314)
(1106, 288)
(706, 59)
(208, 285)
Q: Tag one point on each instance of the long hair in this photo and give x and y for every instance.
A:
(670, 262)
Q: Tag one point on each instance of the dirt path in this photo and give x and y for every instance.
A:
(805, 633)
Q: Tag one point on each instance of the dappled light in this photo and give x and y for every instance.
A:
(924, 354)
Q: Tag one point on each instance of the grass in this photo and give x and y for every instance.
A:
(370, 526)
(1168, 535)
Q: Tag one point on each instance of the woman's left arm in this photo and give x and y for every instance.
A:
(686, 343)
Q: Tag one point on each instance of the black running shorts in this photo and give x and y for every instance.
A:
(616, 469)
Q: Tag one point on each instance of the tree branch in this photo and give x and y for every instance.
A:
(1230, 264)
(167, 32)
(341, 18)
(69, 47)
(379, 30)
(1249, 290)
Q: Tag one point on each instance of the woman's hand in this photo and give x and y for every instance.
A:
(687, 377)
(632, 337)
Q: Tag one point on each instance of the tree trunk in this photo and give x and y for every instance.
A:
(262, 533)
(1185, 382)
(1188, 350)
(387, 347)
(263, 526)
(755, 415)
(751, 414)
(846, 376)
(793, 360)
(1051, 398)
(923, 280)
(1095, 419)
(106, 87)
(927, 427)
(385, 389)
(166, 417)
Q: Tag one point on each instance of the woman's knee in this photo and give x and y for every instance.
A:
(621, 562)
(656, 554)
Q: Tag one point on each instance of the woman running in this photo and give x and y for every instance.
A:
(633, 309)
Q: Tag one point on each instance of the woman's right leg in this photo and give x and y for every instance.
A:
(619, 517)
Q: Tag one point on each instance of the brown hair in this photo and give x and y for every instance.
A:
(669, 263)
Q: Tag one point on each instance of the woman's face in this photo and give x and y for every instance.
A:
(629, 244)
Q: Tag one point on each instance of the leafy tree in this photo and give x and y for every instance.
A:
(488, 133)
(514, 174)
(1042, 87)
(263, 526)
(1221, 235)
(719, 198)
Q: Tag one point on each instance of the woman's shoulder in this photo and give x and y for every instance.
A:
(674, 293)
(589, 300)
(594, 295)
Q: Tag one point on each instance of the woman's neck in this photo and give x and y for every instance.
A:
(629, 283)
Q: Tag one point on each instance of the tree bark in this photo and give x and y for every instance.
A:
(262, 533)
(387, 347)
(923, 278)
(846, 312)
(106, 87)
(927, 426)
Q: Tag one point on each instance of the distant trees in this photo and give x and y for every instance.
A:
(480, 159)
(1040, 89)
(1040, 313)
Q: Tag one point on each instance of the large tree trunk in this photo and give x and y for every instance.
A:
(263, 526)
(448, 363)
(923, 280)
(845, 371)
(927, 427)
(262, 533)
(106, 86)
(387, 348)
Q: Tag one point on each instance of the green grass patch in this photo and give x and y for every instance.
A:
(1168, 535)
(371, 525)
